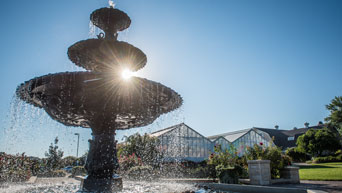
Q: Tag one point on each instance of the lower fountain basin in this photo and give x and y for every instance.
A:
(69, 185)
(85, 98)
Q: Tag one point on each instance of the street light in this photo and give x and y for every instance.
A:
(78, 142)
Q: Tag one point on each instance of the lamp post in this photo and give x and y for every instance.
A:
(78, 142)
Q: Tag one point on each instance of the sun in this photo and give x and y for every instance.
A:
(126, 74)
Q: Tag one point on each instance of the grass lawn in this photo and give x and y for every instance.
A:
(323, 171)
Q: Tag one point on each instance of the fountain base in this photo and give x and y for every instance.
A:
(113, 184)
(101, 165)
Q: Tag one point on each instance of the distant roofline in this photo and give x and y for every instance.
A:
(175, 126)
(229, 133)
(171, 128)
(214, 140)
(273, 129)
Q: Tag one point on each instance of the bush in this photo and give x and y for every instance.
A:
(277, 162)
(200, 172)
(127, 162)
(286, 160)
(78, 170)
(272, 153)
(145, 147)
(140, 173)
(296, 155)
(52, 174)
(15, 168)
(328, 159)
(220, 162)
(14, 176)
(229, 175)
(69, 161)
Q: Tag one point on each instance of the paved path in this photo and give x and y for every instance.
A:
(328, 186)
(58, 180)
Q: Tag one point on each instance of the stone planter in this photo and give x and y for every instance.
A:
(259, 172)
(291, 173)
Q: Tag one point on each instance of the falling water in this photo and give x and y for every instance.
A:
(24, 126)
(165, 120)
(92, 30)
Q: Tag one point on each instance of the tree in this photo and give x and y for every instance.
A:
(144, 147)
(54, 156)
(318, 142)
(82, 160)
(335, 117)
(69, 161)
(297, 155)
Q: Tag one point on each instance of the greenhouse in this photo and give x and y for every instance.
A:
(181, 142)
(245, 138)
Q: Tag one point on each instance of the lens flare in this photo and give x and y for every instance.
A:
(127, 74)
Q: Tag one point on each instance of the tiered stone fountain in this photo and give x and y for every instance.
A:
(99, 98)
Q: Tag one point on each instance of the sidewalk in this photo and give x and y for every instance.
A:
(328, 186)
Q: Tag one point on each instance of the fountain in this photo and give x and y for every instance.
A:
(100, 98)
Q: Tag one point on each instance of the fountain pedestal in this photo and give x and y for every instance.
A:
(101, 165)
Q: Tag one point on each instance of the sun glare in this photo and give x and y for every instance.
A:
(127, 74)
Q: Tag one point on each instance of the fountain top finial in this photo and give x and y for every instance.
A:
(111, 3)
(110, 20)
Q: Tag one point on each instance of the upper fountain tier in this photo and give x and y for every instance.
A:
(110, 20)
(106, 53)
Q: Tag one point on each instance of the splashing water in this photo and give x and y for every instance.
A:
(111, 3)
(92, 30)
(165, 120)
(24, 126)
(70, 185)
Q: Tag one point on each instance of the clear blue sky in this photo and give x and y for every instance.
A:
(236, 63)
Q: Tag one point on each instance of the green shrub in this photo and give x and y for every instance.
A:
(14, 176)
(297, 155)
(199, 172)
(275, 156)
(15, 168)
(127, 162)
(140, 173)
(286, 160)
(272, 153)
(328, 159)
(78, 171)
(223, 159)
(52, 174)
(229, 175)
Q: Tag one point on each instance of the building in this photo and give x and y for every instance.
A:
(245, 138)
(287, 138)
(181, 142)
